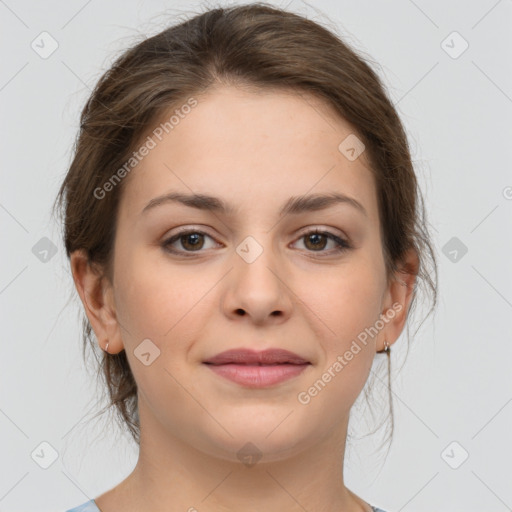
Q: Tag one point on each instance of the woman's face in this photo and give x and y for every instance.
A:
(250, 277)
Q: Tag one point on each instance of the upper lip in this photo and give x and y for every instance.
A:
(249, 356)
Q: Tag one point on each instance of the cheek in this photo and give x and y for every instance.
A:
(162, 304)
(153, 297)
(345, 301)
(346, 311)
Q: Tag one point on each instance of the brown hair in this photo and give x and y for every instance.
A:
(254, 45)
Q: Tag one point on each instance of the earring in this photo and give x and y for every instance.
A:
(106, 347)
(387, 348)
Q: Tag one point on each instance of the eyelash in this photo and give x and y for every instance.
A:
(343, 245)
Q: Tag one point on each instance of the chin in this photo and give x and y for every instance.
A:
(257, 440)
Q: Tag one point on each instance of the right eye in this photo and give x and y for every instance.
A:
(191, 240)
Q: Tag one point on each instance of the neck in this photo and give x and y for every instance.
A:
(173, 475)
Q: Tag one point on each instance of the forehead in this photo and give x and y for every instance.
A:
(251, 147)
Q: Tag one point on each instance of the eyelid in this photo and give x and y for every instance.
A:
(322, 229)
(309, 229)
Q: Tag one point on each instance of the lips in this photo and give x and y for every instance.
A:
(255, 358)
(253, 369)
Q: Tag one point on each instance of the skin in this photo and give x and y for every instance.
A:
(254, 150)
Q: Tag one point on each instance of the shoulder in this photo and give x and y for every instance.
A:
(89, 506)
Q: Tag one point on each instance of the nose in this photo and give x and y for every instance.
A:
(256, 286)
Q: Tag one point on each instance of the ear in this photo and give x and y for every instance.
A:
(97, 296)
(397, 298)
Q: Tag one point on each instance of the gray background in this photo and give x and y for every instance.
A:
(456, 384)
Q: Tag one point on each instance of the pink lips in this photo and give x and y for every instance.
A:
(257, 369)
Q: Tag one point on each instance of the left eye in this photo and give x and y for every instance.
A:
(316, 241)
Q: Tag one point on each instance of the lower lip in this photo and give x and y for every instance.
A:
(258, 376)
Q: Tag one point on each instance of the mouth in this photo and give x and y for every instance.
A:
(257, 369)
(253, 357)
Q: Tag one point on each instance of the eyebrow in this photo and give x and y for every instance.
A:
(295, 205)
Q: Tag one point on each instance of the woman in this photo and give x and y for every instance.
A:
(242, 221)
